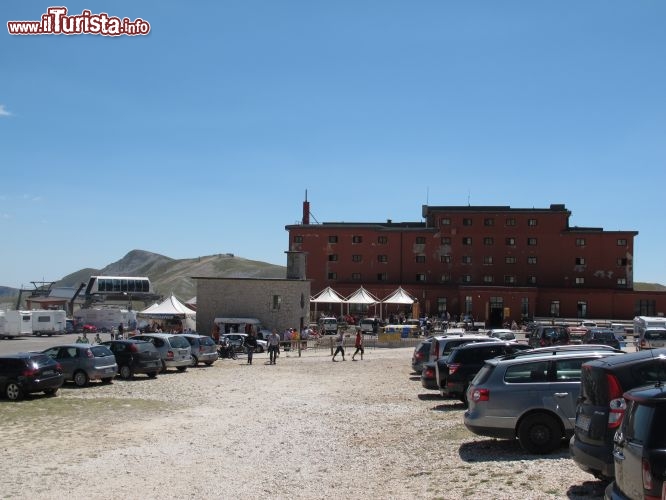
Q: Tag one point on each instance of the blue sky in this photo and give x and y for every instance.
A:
(203, 136)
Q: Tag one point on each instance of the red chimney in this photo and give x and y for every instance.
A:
(306, 210)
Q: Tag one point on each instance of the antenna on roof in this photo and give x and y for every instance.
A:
(468, 195)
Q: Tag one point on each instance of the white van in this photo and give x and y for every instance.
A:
(48, 322)
(328, 325)
(15, 323)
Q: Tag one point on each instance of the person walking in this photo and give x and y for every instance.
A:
(340, 345)
(358, 344)
(250, 345)
(273, 346)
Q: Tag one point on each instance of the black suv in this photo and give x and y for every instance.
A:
(640, 446)
(456, 371)
(600, 406)
(135, 356)
(547, 335)
(25, 373)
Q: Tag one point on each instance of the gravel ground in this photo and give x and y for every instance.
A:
(304, 428)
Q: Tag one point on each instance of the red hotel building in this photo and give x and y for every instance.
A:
(495, 262)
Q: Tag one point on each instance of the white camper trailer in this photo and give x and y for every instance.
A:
(48, 322)
(650, 331)
(106, 319)
(15, 323)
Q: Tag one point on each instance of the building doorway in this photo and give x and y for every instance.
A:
(496, 317)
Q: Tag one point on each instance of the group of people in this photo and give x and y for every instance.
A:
(340, 345)
(83, 339)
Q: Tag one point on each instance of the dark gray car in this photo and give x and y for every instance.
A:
(203, 348)
(84, 362)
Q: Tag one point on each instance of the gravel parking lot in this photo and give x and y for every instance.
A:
(304, 428)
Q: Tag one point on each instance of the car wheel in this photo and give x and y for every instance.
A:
(259, 349)
(81, 378)
(181, 368)
(51, 392)
(107, 380)
(152, 374)
(125, 372)
(164, 367)
(539, 433)
(194, 361)
(13, 391)
(209, 363)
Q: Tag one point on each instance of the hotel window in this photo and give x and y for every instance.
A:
(532, 242)
(488, 278)
(488, 222)
(467, 278)
(277, 302)
(645, 307)
(509, 260)
(420, 259)
(445, 259)
(357, 258)
(467, 222)
(510, 242)
(298, 239)
(332, 276)
(622, 261)
(382, 277)
(509, 280)
(580, 281)
(488, 241)
(441, 305)
(622, 281)
(525, 307)
(382, 240)
(531, 222)
(357, 239)
(446, 240)
(333, 257)
(467, 241)
(332, 239)
(510, 221)
(555, 308)
(445, 222)
(531, 280)
(420, 277)
(487, 260)
(580, 261)
(622, 242)
(468, 304)
(446, 278)
(420, 240)
(382, 258)
(580, 242)
(356, 276)
(466, 259)
(531, 260)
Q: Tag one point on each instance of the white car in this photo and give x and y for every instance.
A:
(238, 340)
(502, 334)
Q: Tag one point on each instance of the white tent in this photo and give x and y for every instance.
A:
(400, 296)
(171, 308)
(361, 296)
(328, 296)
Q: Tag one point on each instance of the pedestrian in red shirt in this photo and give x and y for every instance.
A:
(358, 344)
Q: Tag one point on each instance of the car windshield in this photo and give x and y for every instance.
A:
(655, 334)
(100, 351)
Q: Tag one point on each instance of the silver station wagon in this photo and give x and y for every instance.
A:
(174, 349)
(531, 397)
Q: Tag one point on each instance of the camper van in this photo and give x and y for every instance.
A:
(650, 331)
(15, 323)
(107, 318)
(242, 325)
(46, 322)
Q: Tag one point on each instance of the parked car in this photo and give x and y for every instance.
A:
(238, 341)
(174, 350)
(429, 376)
(502, 334)
(27, 373)
(421, 352)
(135, 356)
(639, 451)
(546, 335)
(442, 345)
(600, 407)
(84, 362)
(604, 336)
(370, 326)
(529, 397)
(203, 348)
(89, 328)
(456, 371)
